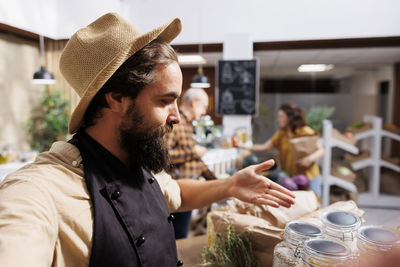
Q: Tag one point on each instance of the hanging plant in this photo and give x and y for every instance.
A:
(49, 121)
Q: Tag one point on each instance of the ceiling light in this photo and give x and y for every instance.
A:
(191, 60)
(315, 67)
(42, 76)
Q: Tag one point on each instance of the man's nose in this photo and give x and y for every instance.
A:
(174, 116)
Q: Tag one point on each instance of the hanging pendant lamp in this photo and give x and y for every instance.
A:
(43, 76)
(200, 80)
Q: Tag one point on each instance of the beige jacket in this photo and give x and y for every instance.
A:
(46, 216)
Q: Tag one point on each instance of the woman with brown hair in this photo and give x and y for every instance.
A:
(292, 124)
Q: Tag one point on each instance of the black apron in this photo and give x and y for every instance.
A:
(132, 226)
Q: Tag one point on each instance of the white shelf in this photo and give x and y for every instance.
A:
(344, 146)
(374, 144)
(360, 164)
(327, 178)
(391, 135)
(333, 180)
(381, 200)
(390, 166)
(374, 198)
(364, 134)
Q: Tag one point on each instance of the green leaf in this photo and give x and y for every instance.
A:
(49, 121)
(317, 114)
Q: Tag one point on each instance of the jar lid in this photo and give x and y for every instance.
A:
(325, 250)
(296, 232)
(379, 236)
(341, 220)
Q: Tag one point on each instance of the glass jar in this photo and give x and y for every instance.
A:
(324, 252)
(342, 226)
(288, 252)
(374, 242)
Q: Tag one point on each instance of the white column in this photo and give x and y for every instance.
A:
(237, 46)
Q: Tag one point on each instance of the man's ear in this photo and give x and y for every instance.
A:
(192, 103)
(114, 101)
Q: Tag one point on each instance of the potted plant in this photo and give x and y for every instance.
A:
(317, 114)
(49, 121)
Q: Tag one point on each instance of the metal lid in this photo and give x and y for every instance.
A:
(324, 249)
(341, 220)
(302, 228)
(296, 232)
(378, 235)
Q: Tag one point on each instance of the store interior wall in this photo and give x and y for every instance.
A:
(19, 60)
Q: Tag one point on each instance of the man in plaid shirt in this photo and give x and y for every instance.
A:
(185, 153)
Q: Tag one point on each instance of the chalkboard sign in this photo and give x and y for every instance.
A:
(237, 90)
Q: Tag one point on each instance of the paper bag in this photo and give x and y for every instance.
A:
(306, 202)
(304, 145)
(265, 224)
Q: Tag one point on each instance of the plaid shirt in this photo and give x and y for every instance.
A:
(186, 162)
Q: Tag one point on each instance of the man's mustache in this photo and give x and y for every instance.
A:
(166, 129)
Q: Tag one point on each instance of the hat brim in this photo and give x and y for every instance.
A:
(166, 32)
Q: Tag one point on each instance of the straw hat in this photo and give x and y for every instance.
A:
(95, 52)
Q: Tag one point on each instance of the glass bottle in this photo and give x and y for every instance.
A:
(374, 242)
(323, 252)
(288, 252)
(342, 226)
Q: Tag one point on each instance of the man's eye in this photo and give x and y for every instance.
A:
(166, 101)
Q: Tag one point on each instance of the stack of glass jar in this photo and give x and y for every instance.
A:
(341, 242)
(288, 252)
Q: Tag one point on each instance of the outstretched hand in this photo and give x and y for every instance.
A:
(248, 186)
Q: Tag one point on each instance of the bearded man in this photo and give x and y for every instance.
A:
(93, 201)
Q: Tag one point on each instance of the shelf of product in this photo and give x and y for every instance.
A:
(332, 138)
(363, 154)
(221, 160)
(372, 140)
(392, 128)
(359, 127)
(343, 172)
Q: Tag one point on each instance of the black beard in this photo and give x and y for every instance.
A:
(146, 148)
